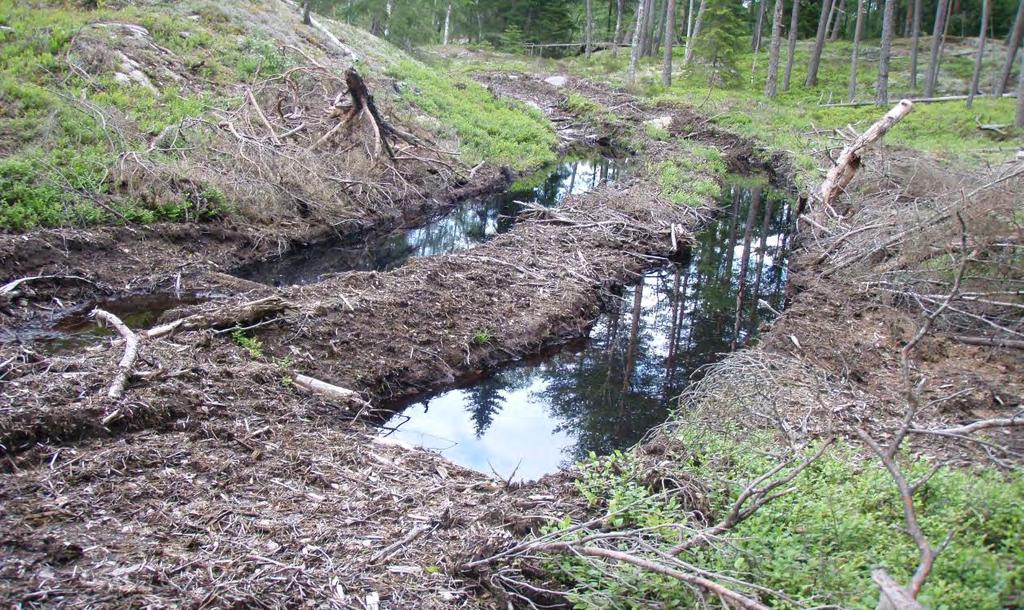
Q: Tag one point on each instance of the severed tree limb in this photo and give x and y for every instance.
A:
(990, 341)
(227, 315)
(329, 390)
(131, 351)
(1001, 422)
(263, 117)
(887, 455)
(622, 557)
(893, 593)
(849, 161)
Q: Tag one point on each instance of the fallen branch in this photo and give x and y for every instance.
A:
(228, 315)
(131, 351)
(893, 593)
(990, 341)
(1000, 422)
(849, 160)
(329, 390)
(622, 557)
(915, 100)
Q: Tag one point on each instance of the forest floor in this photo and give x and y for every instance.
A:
(220, 480)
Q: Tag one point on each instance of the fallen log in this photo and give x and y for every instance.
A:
(915, 100)
(329, 390)
(131, 352)
(990, 341)
(225, 316)
(849, 161)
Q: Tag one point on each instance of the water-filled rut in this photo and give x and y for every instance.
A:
(605, 392)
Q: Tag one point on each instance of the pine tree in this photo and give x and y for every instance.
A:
(721, 39)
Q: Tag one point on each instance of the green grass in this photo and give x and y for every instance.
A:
(797, 122)
(483, 337)
(251, 344)
(818, 543)
(488, 129)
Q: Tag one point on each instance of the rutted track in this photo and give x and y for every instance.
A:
(225, 481)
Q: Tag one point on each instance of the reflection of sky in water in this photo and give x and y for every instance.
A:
(607, 392)
(469, 223)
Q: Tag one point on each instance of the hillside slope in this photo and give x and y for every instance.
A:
(196, 111)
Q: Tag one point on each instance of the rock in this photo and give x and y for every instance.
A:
(557, 81)
(662, 122)
(122, 79)
(533, 104)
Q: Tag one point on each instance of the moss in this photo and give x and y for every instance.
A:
(488, 129)
(692, 178)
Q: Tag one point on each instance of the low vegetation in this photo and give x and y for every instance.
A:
(693, 176)
(819, 541)
(503, 132)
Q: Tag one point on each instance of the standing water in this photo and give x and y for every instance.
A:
(606, 392)
(468, 224)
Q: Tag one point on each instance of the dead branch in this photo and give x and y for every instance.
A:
(984, 424)
(893, 593)
(652, 566)
(990, 341)
(329, 390)
(756, 496)
(849, 161)
(224, 316)
(131, 351)
(928, 553)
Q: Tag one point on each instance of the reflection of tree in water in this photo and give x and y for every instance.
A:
(643, 352)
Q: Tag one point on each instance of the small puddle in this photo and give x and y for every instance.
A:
(74, 329)
(606, 392)
(464, 226)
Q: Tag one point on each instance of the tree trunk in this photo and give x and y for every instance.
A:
(698, 22)
(589, 27)
(634, 54)
(916, 29)
(850, 159)
(388, 6)
(755, 42)
(838, 23)
(882, 88)
(933, 60)
(986, 6)
(670, 34)
(1012, 42)
(617, 39)
(306, 17)
(858, 31)
(447, 24)
(1019, 120)
(689, 22)
(819, 45)
(771, 83)
(794, 25)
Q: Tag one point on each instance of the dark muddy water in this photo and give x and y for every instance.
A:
(67, 330)
(606, 392)
(469, 223)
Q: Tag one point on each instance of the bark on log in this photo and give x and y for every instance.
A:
(226, 316)
(849, 161)
(990, 341)
(131, 351)
(330, 390)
